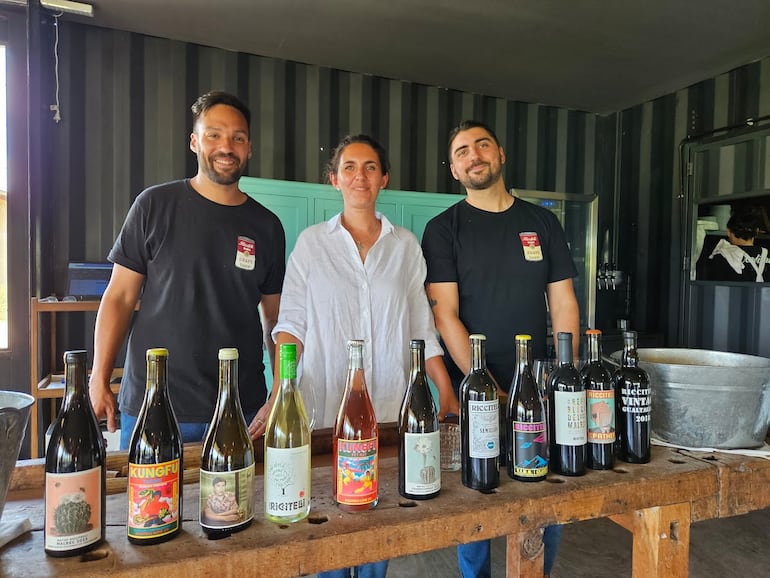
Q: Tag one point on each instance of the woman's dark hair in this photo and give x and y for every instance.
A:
(209, 100)
(334, 162)
(744, 224)
(467, 125)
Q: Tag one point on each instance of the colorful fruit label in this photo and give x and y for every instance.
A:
(73, 509)
(601, 416)
(227, 498)
(153, 499)
(357, 473)
(529, 449)
(287, 481)
(422, 469)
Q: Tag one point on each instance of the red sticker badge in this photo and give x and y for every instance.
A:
(531, 245)
(245, 255)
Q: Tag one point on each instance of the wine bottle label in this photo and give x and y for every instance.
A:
(73, 509)
(422, 468)
(153, 499)
(601, 416)
(530, 449)
(637, 401)
(227, 498)
(287, 481)
(357, 474)
(570, 420)
(483, 429)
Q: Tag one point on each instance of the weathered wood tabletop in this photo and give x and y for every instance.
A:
(656, 501)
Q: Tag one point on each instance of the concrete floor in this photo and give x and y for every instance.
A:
(727, 548)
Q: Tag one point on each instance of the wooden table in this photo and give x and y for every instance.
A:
(657, 502)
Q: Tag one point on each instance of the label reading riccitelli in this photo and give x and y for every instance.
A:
(287, 480)
(73, 504)
(153, 499)
(530, 449)
(484, 429)
(356, 471)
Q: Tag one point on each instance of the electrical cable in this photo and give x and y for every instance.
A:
(55, 108)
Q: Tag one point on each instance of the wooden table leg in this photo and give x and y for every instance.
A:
(661, 540)
(524, 554)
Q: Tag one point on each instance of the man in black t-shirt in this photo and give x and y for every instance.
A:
(496, 265)
(208, 262)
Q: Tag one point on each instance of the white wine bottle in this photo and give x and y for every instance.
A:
(155, 461)
(75, 473)
(419, 471)
(287, 447)
(227, 460)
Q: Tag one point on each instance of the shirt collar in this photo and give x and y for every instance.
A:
(335, 224)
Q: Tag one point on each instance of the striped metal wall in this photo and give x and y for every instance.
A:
(125, 125)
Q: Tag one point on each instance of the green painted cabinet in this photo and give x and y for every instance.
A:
(299, 205)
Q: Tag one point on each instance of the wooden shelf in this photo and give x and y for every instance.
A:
(40, 386)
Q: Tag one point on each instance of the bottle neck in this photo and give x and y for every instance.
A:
(228, 381)
(630, 356)
(594, 348)
(355, 379)
(478, 354)
(287, 371)
(417, 363)
(157, 376)
(75, 383)
(522, 355)
(565, 349)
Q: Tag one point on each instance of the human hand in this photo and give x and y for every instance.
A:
(448, 404)
(104, 403)
(258, 424)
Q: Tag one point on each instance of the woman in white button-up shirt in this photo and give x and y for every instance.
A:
(358, 276)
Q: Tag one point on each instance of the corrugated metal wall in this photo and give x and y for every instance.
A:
(125, 125)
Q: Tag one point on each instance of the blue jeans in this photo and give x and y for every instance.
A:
(191, 432)
(373, 570)
(476, 562)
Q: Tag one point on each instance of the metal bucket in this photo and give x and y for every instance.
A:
(14, 415)
(703, 398)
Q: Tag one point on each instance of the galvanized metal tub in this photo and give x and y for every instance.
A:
(703, 398)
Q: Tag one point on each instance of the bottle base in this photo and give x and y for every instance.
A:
(152, 541)
(288, 519)
(634, 459)
(75, 552)
(419, 496)
(357, 507)
(219, 533)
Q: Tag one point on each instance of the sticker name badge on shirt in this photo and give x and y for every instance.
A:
(245, 256)
(531, 245)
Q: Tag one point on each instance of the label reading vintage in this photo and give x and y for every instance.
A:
(601, 416)
(287, 481)
(483, 429)
(570, 420)
(529, 449)
(153, 499)
(226, 498)
(636, 401)
(357, 473)
(422, 469)
(73, 509)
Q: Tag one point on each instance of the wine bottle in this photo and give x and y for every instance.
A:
(75, 472)
(419, 469)
(479, 422)
(633, 398)
(355, 440)
(567, 414)
(227, 459)
(155, 461)
(600, 406)
(287, 447)
(525, 421)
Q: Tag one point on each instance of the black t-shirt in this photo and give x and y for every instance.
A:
(502, 263)
(717, 268)
(206, 267)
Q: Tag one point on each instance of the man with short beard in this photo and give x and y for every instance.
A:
(206, 260)
(494, 261)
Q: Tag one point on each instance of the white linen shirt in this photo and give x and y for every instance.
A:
(329, 296)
